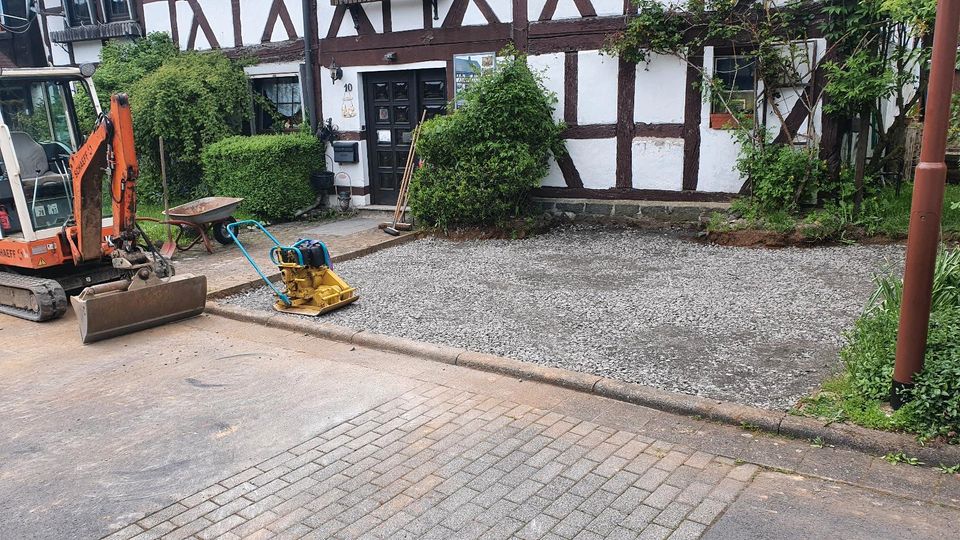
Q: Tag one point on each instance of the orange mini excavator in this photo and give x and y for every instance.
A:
(55, 236)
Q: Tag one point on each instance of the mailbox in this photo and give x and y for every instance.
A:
(346, 152)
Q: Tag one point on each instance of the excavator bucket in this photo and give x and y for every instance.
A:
(119, 308)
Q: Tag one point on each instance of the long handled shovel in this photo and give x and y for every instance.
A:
(169, 247)
(402, 196)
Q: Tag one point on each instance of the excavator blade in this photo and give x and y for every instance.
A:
(110, 311)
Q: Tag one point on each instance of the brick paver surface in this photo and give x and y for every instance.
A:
(439, 462)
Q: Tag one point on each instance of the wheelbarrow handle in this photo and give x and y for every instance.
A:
(233, 235)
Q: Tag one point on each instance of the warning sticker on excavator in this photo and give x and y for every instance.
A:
(42, 263)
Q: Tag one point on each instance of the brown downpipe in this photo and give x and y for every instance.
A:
(928, 189)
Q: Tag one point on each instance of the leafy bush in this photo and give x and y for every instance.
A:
(192, 100)
(934, 406)
(122, 64)
(272, 172)
(780, 176)
(482, 161)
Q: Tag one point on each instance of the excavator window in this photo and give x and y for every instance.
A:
(43, 133)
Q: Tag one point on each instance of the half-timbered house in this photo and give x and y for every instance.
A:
(634, 131)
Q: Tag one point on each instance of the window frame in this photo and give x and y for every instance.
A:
(110, 17)
(258, 124)
(749, 95)
(71, 16)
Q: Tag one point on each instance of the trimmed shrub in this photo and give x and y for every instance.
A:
(272, 172)
(482, 161)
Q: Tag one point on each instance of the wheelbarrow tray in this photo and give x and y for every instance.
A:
(205, 210)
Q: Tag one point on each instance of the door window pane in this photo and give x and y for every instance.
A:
(401, 114)
(381, 92)
(401, 91)
(434, 89)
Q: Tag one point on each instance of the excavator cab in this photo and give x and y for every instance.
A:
(68, 211)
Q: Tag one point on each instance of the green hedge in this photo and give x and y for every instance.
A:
(272, 172)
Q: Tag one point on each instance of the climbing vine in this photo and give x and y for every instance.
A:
(876, 53)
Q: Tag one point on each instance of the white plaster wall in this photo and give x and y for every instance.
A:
(718, 158)
(596, 159)
(406, 16)
(566, 9)
(157, 17)
(86, 51)
(534, 7)
(374, 12)
(606, 8)
(551, 66)
(718, 149)
(184, 19)
(660, 90)
(219, 14)
(253, 18)
(554, 176)
(597, 88)
(272, 69)
(472, 16)
(503, 9)
(295, 8)
(657, 163)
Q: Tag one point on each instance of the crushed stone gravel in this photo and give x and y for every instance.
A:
(760, 327)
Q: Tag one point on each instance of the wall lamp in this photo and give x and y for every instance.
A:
(336, 73)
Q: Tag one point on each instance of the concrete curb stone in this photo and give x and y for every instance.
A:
(777, 423)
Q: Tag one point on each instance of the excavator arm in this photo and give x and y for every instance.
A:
(109, 147)
(142, 298)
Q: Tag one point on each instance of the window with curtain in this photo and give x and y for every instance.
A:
(278, 107)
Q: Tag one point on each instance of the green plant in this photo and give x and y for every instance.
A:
(271, 172)
(192, 100)
(949, 469)
(900, 457)
(482, 161)
(933, 407)
(780, 176)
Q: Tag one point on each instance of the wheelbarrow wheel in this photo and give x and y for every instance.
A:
(220, 231)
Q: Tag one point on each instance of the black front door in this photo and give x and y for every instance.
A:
(394, 102)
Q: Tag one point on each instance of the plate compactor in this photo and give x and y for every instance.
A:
(311, 287)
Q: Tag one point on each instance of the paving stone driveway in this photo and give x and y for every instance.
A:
(443, 463)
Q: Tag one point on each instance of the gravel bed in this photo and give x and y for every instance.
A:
(756, 326)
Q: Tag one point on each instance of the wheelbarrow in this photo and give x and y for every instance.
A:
(206, 217)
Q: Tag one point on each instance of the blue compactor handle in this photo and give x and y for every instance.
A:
(230, 230)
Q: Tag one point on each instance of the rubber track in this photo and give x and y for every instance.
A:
(51, 299)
